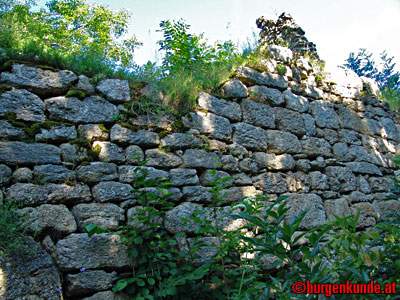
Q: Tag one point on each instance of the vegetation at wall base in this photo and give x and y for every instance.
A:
(260, 260)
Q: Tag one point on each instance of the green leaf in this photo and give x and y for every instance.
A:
(121, 284)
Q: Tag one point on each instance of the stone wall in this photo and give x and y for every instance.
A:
(285, 129)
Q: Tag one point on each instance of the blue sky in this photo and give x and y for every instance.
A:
(336, 26)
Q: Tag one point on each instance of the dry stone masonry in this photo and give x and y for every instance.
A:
(328, 144)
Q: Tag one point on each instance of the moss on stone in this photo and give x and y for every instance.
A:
(4, 89)
(103, 128)
(7, 66)
(77, 93)
(92, 152)
(163, 134)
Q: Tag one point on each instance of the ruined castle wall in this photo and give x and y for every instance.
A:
(284, 129)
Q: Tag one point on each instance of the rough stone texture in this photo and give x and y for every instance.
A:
(92, 109)
(114, 89)
(316, 147)
(287, 120)
(324, 114)
(88, 282)
(200, 159)
(249, 76)
(266, 95)
(237, 193)
(274, 162)
(96, 172)
(73, 154)
(183, 177)
(53, 174)
(389, 129)
(27, 193)
(180, 141)
(108, 295)
(9, 132)
(282, 142)
(98, 251)
(349, 119)
(196, 194)
(49, 219)
(234, 89)
(380, 184)
(173, 222)
(57, 134)
(32, 276)
(112, 191)
(41, 82)
(386, 207)
(311, 202)
(229, 163)
(295, 102)
(368, 214)
(143, 138)
(318, 181)
(110, 152)
(364, 168)
(161, 159)
(341, 179)
(280, 53)
(270, 183)
(102, 214)
(69, 194)
(228, 109)
(92, 132)
(5, 175)
(209, 176)
(127, 174)
(309, 124)
(258, 114)
(216, 126)
(250, 136)
(29, 154)
(275, 80)
(338, 207)
(134, 154)
(84, 84)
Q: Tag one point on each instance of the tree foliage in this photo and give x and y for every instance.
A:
(384, 73)
(72, 30)
(190, 51)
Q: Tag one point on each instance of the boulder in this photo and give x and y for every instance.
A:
(250, 137)
(88, 282)
(258, 114)
(96, 172)
(112, 191)
(29, 154)
(32, 275)
(92, 109)
(78, 251)
(49, 219)
(221, 107)
(107, 215)
(42, 82)
(114, 89)
(200, 159)
(234, 89)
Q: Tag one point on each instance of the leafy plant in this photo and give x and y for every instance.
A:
(11, 229)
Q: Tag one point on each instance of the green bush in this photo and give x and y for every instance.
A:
(71, 34)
